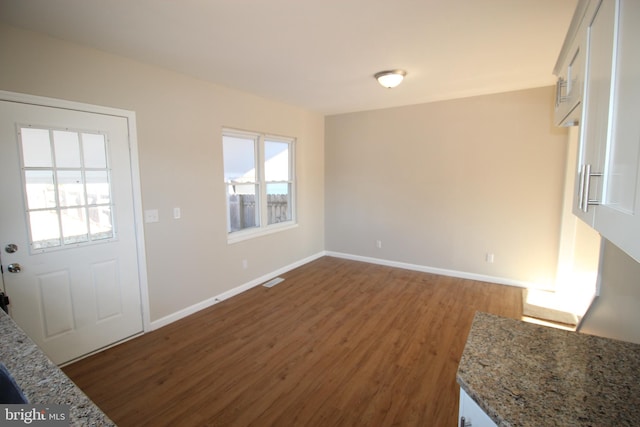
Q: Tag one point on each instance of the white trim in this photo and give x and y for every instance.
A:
(436, 270)
(260, 140)
(156, 324)
(139, 221)
(44, 101)
(252, 233)
(130, 116)
(166, 320)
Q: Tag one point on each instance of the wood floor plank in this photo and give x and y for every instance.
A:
(339, 342)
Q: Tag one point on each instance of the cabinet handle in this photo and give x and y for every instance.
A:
(581, 188)
(561, 84)
(586, 201)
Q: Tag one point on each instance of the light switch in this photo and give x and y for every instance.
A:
(176, 213)
(151, 215)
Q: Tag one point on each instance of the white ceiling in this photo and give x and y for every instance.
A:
(322, 54)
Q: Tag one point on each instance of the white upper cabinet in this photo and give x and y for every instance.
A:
(599, 36)
(570, 84)
(618, 215)
(570, 69)
(607, 193)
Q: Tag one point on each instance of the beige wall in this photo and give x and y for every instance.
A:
(442, 184)
(179, 123)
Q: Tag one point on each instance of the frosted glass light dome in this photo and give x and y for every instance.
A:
(391, 78)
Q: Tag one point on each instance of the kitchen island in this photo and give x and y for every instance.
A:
(521, 374)
(41, 381)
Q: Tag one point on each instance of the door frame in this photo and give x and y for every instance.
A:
(134, 167)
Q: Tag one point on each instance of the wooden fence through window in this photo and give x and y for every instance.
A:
(242, 210)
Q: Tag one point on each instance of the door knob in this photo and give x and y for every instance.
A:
(11, 248)
(14, 268)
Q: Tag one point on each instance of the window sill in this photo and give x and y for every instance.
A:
(241, 236)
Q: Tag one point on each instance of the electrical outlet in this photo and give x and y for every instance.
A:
(379, 244)
(489, 258)
(151, 215)
(245, 264)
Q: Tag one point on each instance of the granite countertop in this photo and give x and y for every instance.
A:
(523, 374)
(41, 381)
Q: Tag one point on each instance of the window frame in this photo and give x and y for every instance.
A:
(263, 228)
(59, 207)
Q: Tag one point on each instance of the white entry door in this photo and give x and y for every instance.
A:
(67, 228)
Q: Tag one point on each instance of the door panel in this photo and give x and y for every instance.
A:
(67, 203)
(618, 217)
(104, 277)
(54, 297)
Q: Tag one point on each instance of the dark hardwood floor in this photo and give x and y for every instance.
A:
(338, 343)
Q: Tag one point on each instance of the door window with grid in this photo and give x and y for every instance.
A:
(67, 188)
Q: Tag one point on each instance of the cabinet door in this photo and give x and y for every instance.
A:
(596, 110)
(618, 216)
(570, 85)
(473, 415)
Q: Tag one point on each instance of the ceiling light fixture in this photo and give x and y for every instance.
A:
(390, 78)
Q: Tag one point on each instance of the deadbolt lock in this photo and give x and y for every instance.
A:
(11, 248)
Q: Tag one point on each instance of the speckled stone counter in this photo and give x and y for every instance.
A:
(41, 380)
(522, 374)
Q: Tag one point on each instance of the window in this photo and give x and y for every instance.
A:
(67, 184)
(260, 184)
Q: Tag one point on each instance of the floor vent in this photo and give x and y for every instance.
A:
(271, 283)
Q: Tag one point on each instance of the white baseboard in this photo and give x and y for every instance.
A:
(435, 270)
(156, 324)
(239, 289)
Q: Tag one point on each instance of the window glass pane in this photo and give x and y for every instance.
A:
(70, 188)
(45, 229)
(239, 159)
(66, 203)
(243, 212)
(276, 161)
(100, 223)
(74, 225)
(98, 191)
(40, 190)
(67, 149)
(94, 150)
(36, 148)
(259, 177)
(278, 203)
